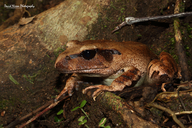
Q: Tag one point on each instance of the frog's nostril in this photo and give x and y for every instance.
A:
(67, 58)
(57, 65)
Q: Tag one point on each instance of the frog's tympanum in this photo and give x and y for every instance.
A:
(119, 64)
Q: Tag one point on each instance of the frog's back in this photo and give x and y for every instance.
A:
(141, 55)
(135, 54)
(129, 47)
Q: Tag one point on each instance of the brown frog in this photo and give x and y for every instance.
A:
(119, 64)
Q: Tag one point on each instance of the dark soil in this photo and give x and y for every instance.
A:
(43, 82)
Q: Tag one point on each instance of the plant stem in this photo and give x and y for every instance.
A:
(86, 126)
(85, 113)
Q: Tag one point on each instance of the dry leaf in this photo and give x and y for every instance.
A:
(24, 21)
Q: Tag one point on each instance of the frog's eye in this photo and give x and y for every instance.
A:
(88, 54)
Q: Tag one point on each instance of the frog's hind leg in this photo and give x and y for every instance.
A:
(163, 70)
(126, 79)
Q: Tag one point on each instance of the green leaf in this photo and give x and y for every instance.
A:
(12, 79)
(81, 118)
(75, 108)
(56, 119)
(1, 126)
(107, 127)
(102, 122)
(83, 103)
(60, 112)
(83, 122)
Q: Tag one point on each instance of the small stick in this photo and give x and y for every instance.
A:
(168, 111)
(183, 112)
(17, 121)
(132, 20)
(52, 105)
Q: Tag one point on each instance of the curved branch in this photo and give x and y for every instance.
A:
(168, 111)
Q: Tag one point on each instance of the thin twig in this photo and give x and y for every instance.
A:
(17, 121)
(152, 104)
(132, 20)
(186, 85)
(168, 111)
(45, 110)
(183, 112)
(26, 10)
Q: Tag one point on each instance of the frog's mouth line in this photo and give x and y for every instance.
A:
(99, 72)
(83, 70)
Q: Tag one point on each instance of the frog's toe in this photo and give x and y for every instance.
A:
(94, 98)
(96, 93)
(84, 91)
(100, 88)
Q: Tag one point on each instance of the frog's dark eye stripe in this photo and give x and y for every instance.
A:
(107, 54)
(86, 54)
(90, 54)
(111, 51)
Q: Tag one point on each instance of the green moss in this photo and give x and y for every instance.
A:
(58, 51)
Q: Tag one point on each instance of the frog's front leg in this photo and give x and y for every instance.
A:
(126, 79)
(71, 83)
